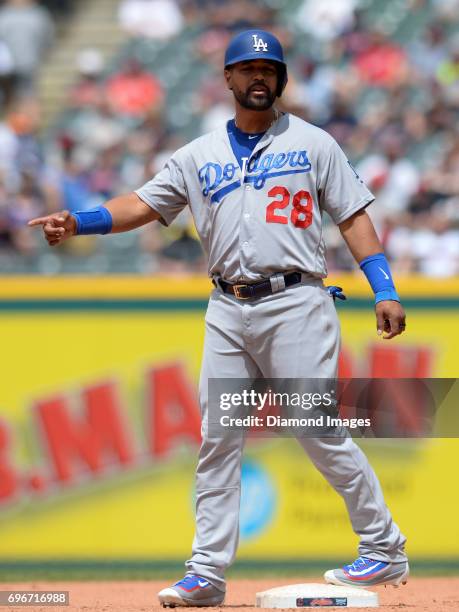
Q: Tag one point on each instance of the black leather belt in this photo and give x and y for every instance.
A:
(261, 289)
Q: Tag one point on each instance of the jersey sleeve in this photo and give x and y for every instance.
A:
(341, 190)
(166, 193)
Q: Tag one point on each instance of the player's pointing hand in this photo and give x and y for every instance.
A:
(390, 318)
(56, 227)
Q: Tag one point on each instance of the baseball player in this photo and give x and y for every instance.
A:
(257, 188)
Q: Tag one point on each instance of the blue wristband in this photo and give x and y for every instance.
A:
(95, 221)
(376, 269)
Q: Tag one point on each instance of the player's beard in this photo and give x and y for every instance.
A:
(251, 102)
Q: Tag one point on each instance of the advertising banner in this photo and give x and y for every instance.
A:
(100, 427)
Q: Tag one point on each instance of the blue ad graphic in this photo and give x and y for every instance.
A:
(258, 500)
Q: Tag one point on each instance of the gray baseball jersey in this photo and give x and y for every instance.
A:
(267, 217)
(254, 222)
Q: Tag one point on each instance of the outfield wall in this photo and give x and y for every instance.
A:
(99, 426)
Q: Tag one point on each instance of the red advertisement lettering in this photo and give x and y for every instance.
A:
(96, 440)
(8, 477)
(173, 409)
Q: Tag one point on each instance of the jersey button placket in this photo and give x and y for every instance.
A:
(248, 244)
(246, 239)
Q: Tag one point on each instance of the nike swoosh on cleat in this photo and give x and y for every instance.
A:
(384, 272)
(203, 583)
(373, 569)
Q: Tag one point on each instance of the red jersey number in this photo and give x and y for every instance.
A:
(284, 201)
(302, 209)
(301, 214)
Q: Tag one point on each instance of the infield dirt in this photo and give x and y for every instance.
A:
(419, 595)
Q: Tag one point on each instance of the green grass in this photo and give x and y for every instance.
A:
(23, 571)
(84, 305)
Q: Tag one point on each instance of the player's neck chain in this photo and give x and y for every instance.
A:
(275, 118)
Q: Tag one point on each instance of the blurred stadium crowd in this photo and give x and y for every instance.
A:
(382, 76)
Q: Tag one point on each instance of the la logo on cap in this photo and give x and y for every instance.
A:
(259, 44)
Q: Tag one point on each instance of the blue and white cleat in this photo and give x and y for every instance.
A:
(191, 591)
(366, 572)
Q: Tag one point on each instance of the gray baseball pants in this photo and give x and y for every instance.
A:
(291, 334)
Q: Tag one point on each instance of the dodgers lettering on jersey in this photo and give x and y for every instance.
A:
(214, 179)
(266, 217)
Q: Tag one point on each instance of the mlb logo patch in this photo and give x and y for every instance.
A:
(259, 44)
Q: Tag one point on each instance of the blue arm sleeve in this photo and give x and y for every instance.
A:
(95, 221)
(376, 269)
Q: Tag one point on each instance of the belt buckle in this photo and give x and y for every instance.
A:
(237, 289)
